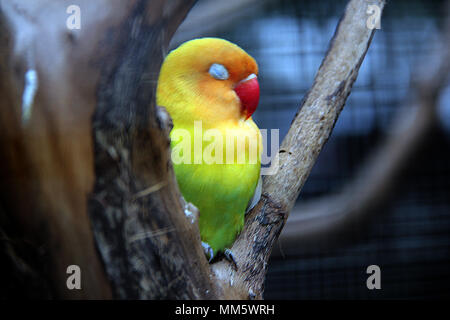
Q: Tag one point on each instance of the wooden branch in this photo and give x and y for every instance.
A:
(308, 133)
(374, 184)
(149, 247)
(327, 219)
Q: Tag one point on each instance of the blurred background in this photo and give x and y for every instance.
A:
(405, 228)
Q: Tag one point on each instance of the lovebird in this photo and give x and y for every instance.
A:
(209, 87)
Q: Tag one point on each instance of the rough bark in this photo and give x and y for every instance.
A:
(306, 137)
(149, 247)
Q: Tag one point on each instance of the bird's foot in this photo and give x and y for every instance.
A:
(209, 252)
(230, 257)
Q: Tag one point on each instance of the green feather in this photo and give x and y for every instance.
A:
(220, 191)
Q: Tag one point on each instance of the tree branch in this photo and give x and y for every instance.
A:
(374, 184)
(309, 131)
(149, 248)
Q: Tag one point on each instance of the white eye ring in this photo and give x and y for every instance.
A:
(218, 71)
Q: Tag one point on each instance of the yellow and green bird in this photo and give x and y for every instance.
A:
(209, 87)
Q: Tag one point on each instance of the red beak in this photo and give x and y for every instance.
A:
(248, 92)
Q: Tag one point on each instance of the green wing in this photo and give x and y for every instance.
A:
(220, 191)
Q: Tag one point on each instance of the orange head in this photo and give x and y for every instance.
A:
(208, 79)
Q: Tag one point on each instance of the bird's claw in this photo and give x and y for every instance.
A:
(209, 252)
(230, 257)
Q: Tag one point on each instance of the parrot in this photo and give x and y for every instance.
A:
(214, 82)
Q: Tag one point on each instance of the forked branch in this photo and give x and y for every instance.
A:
(93, 160)
(309, 132)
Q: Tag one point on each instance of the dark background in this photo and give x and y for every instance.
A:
(410, 237)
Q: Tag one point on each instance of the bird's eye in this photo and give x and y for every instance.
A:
(218, 71)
